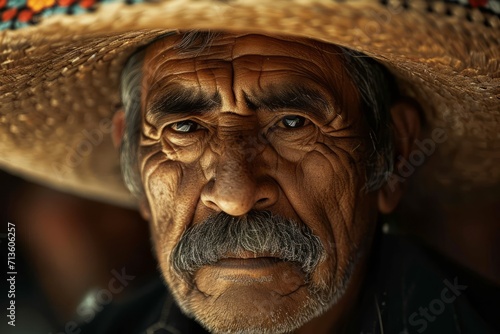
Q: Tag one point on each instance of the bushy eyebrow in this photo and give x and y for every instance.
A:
(182, 101)
(293, 97)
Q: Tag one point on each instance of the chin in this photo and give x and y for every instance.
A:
(247, 305)
(256, 310)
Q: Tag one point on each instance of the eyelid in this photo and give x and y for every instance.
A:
(186, 119)
(279, 114)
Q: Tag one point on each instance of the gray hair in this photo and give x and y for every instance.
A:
(376, 87)
(378, 91)
(131, 83)
(259, 232)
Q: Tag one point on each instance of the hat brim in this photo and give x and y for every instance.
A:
(59, 80)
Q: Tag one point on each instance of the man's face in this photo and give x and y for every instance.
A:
(255, 124)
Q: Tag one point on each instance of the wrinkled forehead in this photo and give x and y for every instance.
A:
(227, 47)
(252, 60)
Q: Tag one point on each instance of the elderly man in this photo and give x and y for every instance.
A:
(263, 160)
(254, 157)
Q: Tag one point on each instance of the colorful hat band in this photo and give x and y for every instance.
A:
(15, 14)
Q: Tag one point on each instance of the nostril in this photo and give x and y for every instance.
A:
(212, 205)
(262, 203)
(262, 200)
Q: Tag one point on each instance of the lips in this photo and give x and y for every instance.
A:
(247, 263)
(248, 277)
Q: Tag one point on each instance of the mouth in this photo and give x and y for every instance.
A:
(250, 277)
(247, 263)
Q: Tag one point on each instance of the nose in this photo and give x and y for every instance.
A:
(238, 186)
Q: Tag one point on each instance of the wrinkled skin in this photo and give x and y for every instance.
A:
(304, 163)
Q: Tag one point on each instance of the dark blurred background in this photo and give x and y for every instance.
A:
(68, 252)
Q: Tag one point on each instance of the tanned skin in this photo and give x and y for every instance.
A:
(235, 149)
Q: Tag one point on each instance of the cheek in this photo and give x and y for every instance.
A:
(181, 147)
(292, 145)
(329, 174)
(334, 169)
(186, 148)
(172, 195)
(325, 190)
(170, 173)
(159, 176)
(331, 180)
(172, 192)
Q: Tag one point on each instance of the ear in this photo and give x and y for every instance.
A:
(118, 128)
(144, 208)
(406, 125)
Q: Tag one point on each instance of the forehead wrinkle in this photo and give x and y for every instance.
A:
(159, 59)
(231, 100)
(281, 60)
(275, 52)
(228, 47)
(169, 70)
(277, 45)
(259, 82)
(197, 74)
(190, 72)
(283, 65)
(280, 65)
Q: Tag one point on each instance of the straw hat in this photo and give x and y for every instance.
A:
(60, 64)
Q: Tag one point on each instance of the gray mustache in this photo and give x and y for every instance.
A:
(260, 232)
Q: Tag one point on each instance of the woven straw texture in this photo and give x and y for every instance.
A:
(59, 80)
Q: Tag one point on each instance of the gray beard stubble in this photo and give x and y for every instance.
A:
(259, 232)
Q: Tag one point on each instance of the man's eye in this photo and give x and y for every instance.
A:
(292, 121)
(185, 126)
